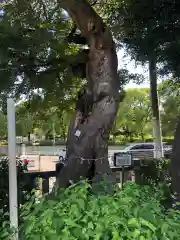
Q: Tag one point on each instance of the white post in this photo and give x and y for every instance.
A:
(13, 203)
(23, 150)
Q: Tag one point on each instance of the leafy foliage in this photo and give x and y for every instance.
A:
(23, 187)
(34, 53)
(146, 29)
(39, 116)
(3, 125)
(156, 171)
(169, 91)
(133, 213)
(134, 109)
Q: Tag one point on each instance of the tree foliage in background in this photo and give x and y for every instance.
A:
(3, 125)
(147, 27)
(169, 92)
(135, 109)
(43, 118)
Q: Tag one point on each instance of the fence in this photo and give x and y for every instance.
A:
(44, 176)
(126, 167)
(44, 167)
(121, 174)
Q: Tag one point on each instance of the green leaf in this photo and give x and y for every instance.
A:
(133, 222)
(90, 225)
(148, 224)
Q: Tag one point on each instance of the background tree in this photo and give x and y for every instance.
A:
(150, 30)
(43, 118)
(143, 27)
(169, 92)
(25, 121)
(3, 126)
(135, 109)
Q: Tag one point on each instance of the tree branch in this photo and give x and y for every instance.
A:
(73, 37)
(83, 11)
(77, 63)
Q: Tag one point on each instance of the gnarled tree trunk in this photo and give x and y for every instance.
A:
(87, 144)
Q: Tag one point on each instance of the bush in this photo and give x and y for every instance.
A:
(123, 140)
(23, 186)
(156, 171)
(3, 143)
(134, 213)
(47, 143)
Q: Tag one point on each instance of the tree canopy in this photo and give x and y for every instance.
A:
(42, 118)
(38, 51)
(148, 28)
(34, 52)
(133, 110)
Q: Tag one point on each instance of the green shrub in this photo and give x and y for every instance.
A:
(156, 171)
(50, 142)
(24, 187)
(3, 143)
(133, 213)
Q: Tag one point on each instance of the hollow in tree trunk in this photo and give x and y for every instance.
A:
(87, 144)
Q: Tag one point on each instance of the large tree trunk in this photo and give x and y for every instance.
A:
(87, 144)
(175, 163)
(157, 134)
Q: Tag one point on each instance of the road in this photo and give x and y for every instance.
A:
(54, 150)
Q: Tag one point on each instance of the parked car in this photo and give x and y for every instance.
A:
(145, 151)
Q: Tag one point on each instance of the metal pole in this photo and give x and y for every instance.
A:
(13, 202)
(23, 152)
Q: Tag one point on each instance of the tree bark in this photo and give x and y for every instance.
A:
(175, 163)
(157, 134)
(87, 144)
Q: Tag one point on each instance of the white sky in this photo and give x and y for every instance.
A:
(126, 62)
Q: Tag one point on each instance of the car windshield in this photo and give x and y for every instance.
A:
(128, 146)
